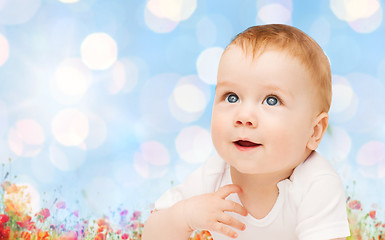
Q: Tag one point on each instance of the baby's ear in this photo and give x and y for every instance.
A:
(320, 125)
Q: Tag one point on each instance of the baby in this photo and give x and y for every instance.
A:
(269, 115)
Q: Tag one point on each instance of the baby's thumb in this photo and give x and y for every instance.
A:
(226, 190)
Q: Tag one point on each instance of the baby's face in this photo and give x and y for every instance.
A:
(263, 113)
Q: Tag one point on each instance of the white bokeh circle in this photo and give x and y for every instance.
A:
(151, 160)
(99, 51)
(26, 138)
(194, 144)
(207, 64)
(70, 127)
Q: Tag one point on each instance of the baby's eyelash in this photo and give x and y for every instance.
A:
(226, 94)
(276, 96)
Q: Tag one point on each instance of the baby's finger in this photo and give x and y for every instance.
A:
(226, 190)
(230, 206)
(232, 222)
(221, 228)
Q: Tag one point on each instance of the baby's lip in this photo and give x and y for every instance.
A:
(246, 143)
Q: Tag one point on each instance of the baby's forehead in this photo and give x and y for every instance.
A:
(252, 56)
(254, 53)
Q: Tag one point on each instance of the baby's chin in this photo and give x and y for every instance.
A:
(254, 169)
(246, 169)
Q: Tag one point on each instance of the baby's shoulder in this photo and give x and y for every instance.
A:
(316, 177)
(314, 166)
(214, 165)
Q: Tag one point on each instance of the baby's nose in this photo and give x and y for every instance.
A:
(245, 118)
(245, 123)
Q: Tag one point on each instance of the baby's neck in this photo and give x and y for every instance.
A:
(259, 192)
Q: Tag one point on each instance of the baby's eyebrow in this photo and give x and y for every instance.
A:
(275, 88)
(223, 85)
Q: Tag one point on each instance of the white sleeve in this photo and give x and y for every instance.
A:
(203, 180)
(322, 212)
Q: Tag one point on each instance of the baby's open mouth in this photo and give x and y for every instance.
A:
(246, 144)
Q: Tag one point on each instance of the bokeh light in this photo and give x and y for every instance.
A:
(124, 76)
(174, 10)
(194, 144)
(344, 101)
(371, 158)
(18, 11)
(4, 50)
(343, 96)
(70, 127)
(72, 78)
(26, 138)
(368, 25)
(189, 99)
(275, 13)
(70, 82)
(354, 9)
(132, 73)
(121, 78)
(207, 64)
(152, 159)
(157, 24)
(363, 16)
(30, 196)
(99, 51)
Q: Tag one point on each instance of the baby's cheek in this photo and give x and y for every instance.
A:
(216, 134)
(291, 148)
(285, 143)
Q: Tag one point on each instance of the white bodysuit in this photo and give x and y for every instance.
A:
(310, 205)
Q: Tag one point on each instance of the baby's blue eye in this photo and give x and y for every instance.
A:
(272, 101)
(232, 98)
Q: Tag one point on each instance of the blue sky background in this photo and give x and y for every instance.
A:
(106, 104)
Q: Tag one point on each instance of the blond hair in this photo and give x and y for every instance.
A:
(297, 44)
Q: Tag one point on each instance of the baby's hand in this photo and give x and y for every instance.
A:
(208, 211)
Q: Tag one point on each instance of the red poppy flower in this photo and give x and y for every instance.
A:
(100, 236)
(125, 236)
(354, 204)
(4, 218)
(4, 233)
(372, 214)
(26, 223)
(43, 215)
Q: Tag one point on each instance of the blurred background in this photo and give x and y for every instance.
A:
(105, 104)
